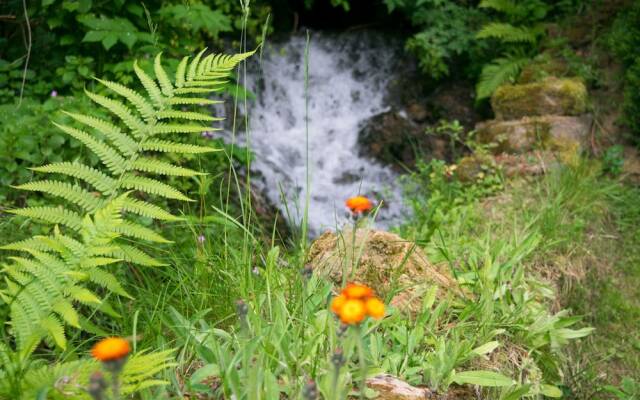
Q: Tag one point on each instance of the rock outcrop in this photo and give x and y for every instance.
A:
(554, 132)
(551, 96)
(547, 115)
(382, 260)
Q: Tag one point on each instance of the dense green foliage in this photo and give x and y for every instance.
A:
(624, 40)
(67, 42)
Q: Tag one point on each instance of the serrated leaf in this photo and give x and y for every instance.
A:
(152, 186)
(158, 167)
(172, 147)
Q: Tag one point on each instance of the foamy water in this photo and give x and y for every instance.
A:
(348, 77)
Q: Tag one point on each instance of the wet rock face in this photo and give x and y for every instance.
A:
(398, 137)
(552, 96)
(390, 138)
(381, 260)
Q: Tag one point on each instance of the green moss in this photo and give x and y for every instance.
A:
(551, 96)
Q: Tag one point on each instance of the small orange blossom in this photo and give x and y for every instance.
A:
(375, 307)
(355, 302)
(359, 204)
(111, 349)
(357, 291)
(352, 312)
(337, 303)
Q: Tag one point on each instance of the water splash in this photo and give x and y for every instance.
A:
(348, 78)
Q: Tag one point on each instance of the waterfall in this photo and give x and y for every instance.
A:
(348, 78)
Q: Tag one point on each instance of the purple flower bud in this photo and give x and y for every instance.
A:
(201, 239)
(54, 93)
(207, 135)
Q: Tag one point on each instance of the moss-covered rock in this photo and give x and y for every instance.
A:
(381, 260)
(473, 167)
(551, 96)
(552, 132)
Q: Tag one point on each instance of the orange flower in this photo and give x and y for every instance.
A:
(357, 291)
(352, 312)
(111, 349)
(374, 307)
(355, 303)
(359, 204)
(337, 303)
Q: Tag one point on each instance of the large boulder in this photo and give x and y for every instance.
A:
(381, 260)
(557, 133)
(551, 96)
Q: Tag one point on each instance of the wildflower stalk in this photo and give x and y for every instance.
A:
(362, 360)
(115, 385)
(337, 360)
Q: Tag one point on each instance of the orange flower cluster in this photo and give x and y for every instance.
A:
(359, 204)
(111, 349)
(355, 302)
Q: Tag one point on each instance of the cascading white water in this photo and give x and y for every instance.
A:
(348, 78)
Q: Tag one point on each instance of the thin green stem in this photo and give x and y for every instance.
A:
(362, 361)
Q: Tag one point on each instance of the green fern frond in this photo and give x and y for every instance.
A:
(123, 141)
(499, 72)
(192, 116)
(34, 243)
(131, 229)
(52, 215)
(69, 379)
(108, 156)
(150, 86)
(145, 109)
(142, 366)
(48, 279)
(163, 78)
(66, 311)
(158, 167)
(210, 85)
(149, 210)
(174, 101)
(166, 146)
(136, 256)
(98, 261)
(196, 90)
(67, 191)
(181, 72)
(152, 186)
(107, 280)
(507, 33)
(55, 329)
(77, 170)
(193, 67)
(121, 111)
(58, 270)
(83, 295)
(162, 128)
